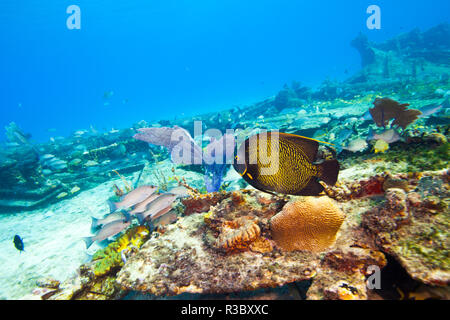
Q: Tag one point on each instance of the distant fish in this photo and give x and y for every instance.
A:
(381, 146)
(390, 136)
(120, 215)
(296, 173)
(108, 230)
(11, 144)
(180, 191)
(132, 198)
(432, 109)
(356, 145)
(161, 212)
(343, 135)
(47, 156)
(108, 94)
(53, 163)
(142, 206)
(155, 208)
(366, 116)
(166, 219)
(79, 133)
(320, 134)
(18, 243)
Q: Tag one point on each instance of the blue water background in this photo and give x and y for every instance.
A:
(165, 59)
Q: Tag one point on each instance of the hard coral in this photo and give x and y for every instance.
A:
(201, 203)
(307, 224)
(261, 245)
(238, 234)
(412, 226)
(110, 258)
(356, 189)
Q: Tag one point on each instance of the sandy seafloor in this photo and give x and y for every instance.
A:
(52, 238)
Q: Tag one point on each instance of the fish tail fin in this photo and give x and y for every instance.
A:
(328, 171)
(370, 135)
(140, 218)
(94, 224)
(88, 241)
(126, 215)
(112, 206)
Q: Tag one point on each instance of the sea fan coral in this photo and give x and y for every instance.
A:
(307, 224)
(387, 109)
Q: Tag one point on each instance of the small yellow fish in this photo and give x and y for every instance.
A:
(381, 146)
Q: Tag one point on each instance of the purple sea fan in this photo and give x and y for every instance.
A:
(184, 150)
(218, 154)
(177, 140)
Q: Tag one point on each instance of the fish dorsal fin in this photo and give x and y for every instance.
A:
(309, 146)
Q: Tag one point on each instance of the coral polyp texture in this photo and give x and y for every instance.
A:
(238, 234)
(309, 223)
(413, 226)
(225, 250)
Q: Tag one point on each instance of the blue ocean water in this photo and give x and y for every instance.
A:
(164, 59)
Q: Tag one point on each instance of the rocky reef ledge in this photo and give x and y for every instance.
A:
(250, 240)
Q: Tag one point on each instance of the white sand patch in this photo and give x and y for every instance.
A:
(52, 238)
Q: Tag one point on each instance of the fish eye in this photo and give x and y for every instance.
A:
(237, 158)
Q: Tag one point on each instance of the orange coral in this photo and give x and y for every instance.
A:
(310, 223)
(261, 245)
(237, 198)
(201, 203)
(237, 234)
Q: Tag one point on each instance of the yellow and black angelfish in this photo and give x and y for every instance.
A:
(295, 174)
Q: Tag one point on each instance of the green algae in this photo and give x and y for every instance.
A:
(410, 157)
(107, 259)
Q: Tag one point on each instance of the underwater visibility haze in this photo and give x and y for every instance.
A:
(228, 149)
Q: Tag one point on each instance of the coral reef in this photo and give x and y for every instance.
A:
(229, 249)
(187, 258)
(201, 203)
(307, 224)
(96, 279)
(395, 202)
(413, 226)
(237, 234)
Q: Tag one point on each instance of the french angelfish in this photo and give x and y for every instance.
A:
(132, 198)
(297, 173)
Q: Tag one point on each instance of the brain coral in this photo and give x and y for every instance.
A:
(310, 223)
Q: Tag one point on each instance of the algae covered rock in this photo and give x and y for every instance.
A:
(193, 256)
(231, 249)
(414, 228)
